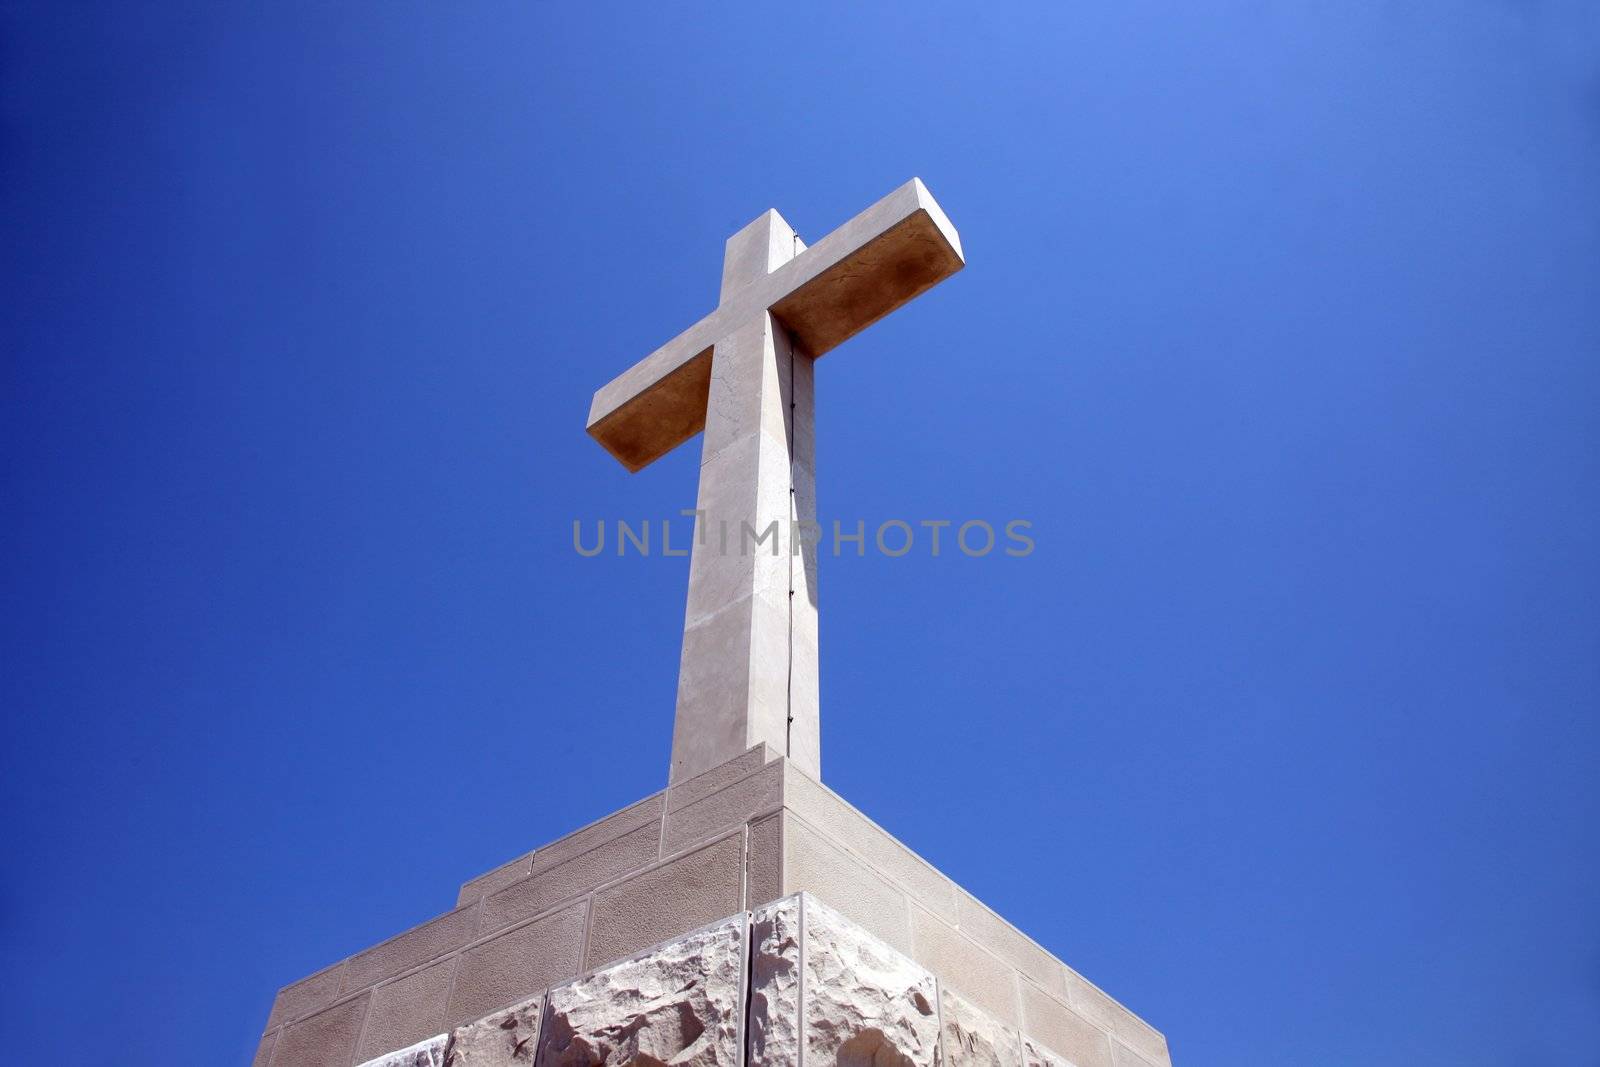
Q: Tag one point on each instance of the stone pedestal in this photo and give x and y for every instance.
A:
(748, 916)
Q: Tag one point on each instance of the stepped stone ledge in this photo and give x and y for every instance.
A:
(730, 844)
(794, 984)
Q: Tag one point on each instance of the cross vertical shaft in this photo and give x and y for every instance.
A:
(743, 375)
(748, 670)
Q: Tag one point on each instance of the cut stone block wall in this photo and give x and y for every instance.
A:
(729, 841)
(793, 984)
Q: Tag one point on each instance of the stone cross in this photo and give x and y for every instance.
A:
(743, 374)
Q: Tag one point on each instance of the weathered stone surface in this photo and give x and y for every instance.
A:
(864, 1004)
(507, 1038)
(391, 995)
(774, 1039)
(677, 1005)
(429, 1053)
(973, 1038)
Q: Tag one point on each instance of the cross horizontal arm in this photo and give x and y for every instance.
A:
(894, 250)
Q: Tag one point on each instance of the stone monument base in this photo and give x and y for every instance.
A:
(788, 931)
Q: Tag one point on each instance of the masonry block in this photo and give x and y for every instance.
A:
(406, 1010)
(416, 946)
(301, 998)
(1064, 1030)
(735, 803)
(646, 812)
(824, 991)
(1011, 945)
(263, 1057)
(1123, 1056)
(814, 864)
(582, 873)
(965, 966)
(970, 1037)
(682, 794)
(738, 836)
(850, 829)
(427, 1053)
(326, 1039)
(508, 1038)
(498, 878)
(774, 1035)
(682, 894)
(863, 1003)
(511, 965)
(763, 877)
(1036, 1055)
(680, 1003)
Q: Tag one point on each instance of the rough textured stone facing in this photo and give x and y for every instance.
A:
(765, 842)
(1036, 1055)
(774, 1012)
(428, 1053)
(679, 1004)
(822, 992)
(973, 1038)
(864, 1004)
(507, 1038)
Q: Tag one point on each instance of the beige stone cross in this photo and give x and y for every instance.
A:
(743, 374)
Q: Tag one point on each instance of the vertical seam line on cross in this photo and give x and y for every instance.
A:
(788, 685)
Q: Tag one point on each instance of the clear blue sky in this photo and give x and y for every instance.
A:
(1280, 324)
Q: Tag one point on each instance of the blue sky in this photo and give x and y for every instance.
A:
(1279, 324)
